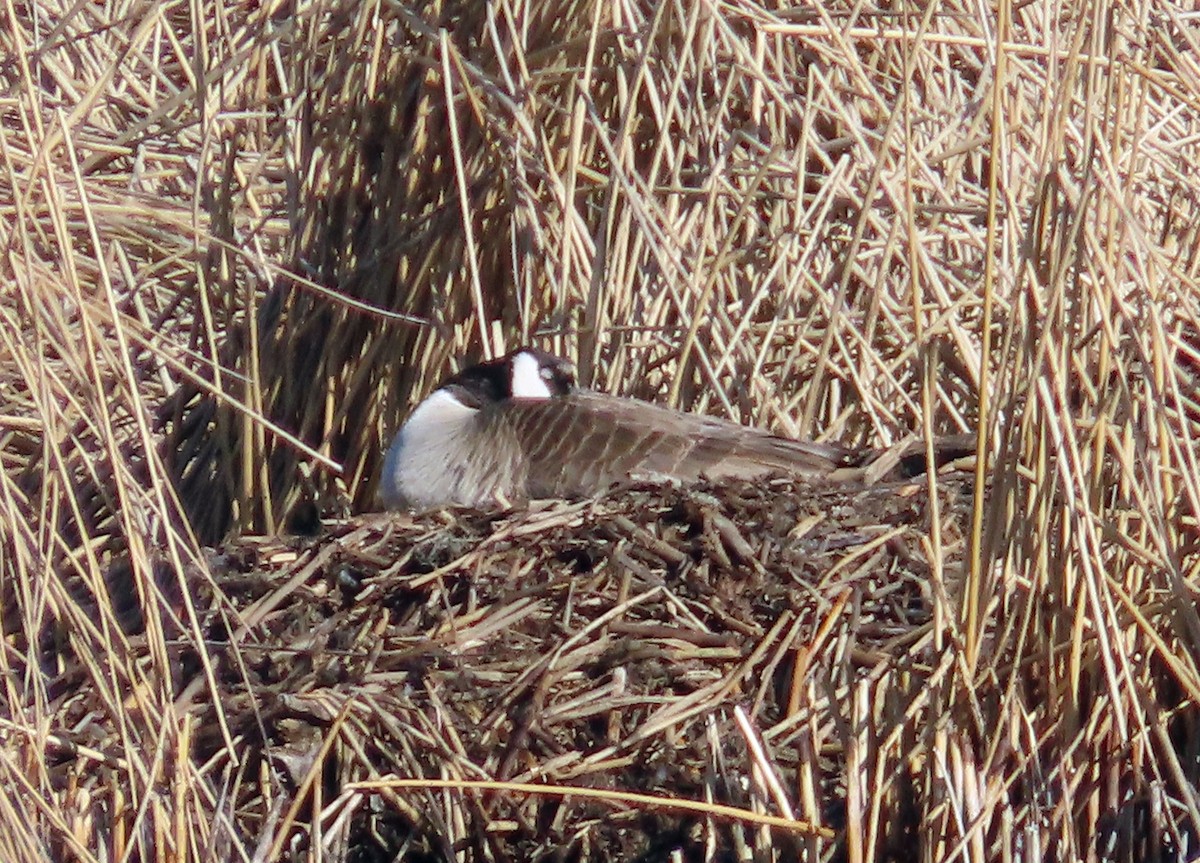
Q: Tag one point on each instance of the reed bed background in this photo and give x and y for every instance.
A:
(239, 240)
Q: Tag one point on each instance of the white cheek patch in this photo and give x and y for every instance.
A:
(527, 380)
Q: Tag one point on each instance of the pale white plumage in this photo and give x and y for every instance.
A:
(414, 472)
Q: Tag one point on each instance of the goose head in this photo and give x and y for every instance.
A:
(525, 373)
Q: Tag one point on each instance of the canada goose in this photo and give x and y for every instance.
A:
(517, 428)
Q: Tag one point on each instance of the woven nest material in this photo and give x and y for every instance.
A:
(707, 645)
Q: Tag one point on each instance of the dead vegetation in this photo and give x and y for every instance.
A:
(239, 240)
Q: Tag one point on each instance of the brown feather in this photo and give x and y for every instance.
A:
(587, 441)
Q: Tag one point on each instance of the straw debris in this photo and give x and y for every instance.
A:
(603, 645)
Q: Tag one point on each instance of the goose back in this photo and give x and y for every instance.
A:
(576, 444)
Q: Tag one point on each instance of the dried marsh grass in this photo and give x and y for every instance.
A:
(240, 240)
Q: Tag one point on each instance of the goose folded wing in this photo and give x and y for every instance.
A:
(585, 442)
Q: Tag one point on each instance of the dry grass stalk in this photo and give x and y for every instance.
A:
(239, 243)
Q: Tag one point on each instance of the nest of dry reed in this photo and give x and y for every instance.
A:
(241, 239)
(658, 671)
